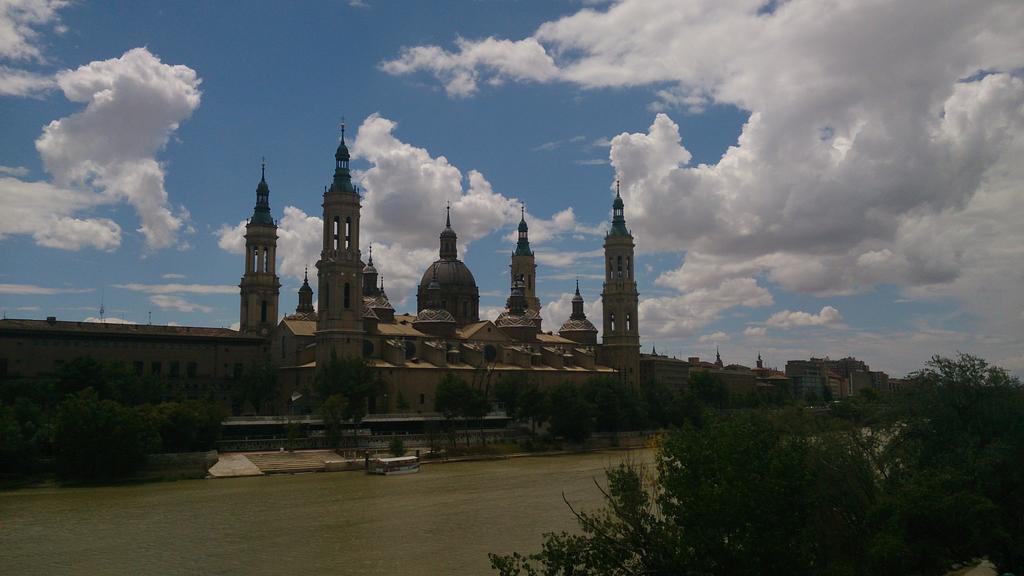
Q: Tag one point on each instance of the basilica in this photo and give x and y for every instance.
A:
(411, 353)
(354, 318)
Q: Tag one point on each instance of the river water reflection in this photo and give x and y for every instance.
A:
(443, 520)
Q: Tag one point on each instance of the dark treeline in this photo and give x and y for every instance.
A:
(97, 422)
(906, 484)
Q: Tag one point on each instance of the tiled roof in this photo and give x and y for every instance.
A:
(100, 328)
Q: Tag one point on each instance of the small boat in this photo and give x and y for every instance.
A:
(399, 465)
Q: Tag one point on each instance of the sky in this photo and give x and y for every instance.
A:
(802, 177)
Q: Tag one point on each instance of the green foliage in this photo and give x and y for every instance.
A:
(333, 413)
(454, 398)
(396, 447)
(259, 386)
(571, 414)
(709, 389)
(509, 392)
(533, 405)
(908, 486)
(113, 381)
(353, 379)
(186, 426)
(98, 439)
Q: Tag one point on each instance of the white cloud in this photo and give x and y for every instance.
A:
(16, 171)
(299, 240)
(15, 82)
(133, 104)
(20, 21)
(684, 315)
(714, 337)
(44, 211)
(875, 152)
(755, 331)
(490, 60)
(108, 320)
(32, 289)
(173, 288)
(173, 276)
(177, 303)
(828, 316)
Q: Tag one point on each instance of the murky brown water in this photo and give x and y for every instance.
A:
(443, 520)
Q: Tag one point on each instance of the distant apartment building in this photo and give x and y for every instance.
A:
(842, 378)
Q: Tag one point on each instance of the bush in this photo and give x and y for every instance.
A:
(98, 439)
(397, 447)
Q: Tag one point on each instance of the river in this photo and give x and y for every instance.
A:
(443, 520)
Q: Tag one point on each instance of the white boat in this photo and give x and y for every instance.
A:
(398, 465)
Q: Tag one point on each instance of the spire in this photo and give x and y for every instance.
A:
(261, 213)
(577, 304)
(618, 216)
(448, 251)
(523, 244)
(654, 351)
(342, 176)
(718, 358)
(305, 295)
(370, 276)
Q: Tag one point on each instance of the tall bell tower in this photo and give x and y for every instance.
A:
(619, 299)
(260, 285)
(524, 265)
(339, 327)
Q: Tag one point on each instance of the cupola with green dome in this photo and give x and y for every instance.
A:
(261, 213)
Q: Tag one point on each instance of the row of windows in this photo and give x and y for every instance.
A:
(132, 344)
(629, 322)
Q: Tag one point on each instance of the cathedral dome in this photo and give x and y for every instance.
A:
(451, 274)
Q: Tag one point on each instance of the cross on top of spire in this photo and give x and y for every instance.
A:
(342, 126)
(263, 168)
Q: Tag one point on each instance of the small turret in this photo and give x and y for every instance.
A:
(305, 296)
(577, 328)
(449, 239)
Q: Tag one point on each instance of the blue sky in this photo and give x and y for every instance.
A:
(812, 179)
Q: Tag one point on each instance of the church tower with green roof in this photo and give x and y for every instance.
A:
(525, 266)
(339, 328)
(621, 336)
(260, 286)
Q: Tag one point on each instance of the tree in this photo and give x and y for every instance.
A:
(709, 389)
(953, 485)
(333, 413)
(571, 413)
(451, 399)
(932, 479)
(98, 439)
(533, 404)
(186, 426)
(736, 498)
(509, 391)
(353, 379)
(259, 385)
(397, 447)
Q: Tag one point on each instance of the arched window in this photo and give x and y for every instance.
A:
(613, 322)
(629, 322)
(325, 291)
(629, 269)
(336, 232)
(348, 232)
(619, 267)
(263, 311)
(266, 259)
(255, 259)
(348, 296)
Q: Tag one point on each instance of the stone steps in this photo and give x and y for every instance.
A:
(288, 462)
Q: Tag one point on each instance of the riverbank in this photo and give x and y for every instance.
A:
(246, 464)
